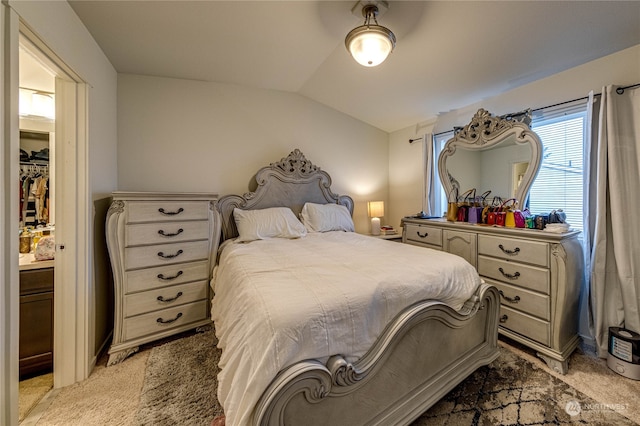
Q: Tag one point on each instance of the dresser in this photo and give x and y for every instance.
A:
(162, 247)
(538, 274)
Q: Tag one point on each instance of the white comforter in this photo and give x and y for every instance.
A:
(281, 301)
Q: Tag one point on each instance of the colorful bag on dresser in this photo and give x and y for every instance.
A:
(541, 220)
(514, 217)
(508, 216)
(557, 216)
(493, 210)
(505, 216)
(465, 205)
(475, 211)
(452, 206)
(521, 218)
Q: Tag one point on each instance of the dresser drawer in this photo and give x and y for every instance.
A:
(166, 232)
(514, 273)
(534, 252)
(165, 254)
(161, 298)
(36, 281)
(162, 276)
(529, 302)
(524, 324)
(160, 211)
(423, 234)
(166, 319)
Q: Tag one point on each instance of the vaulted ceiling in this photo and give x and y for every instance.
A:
(449, 53)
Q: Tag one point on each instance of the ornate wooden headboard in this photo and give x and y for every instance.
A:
(290, 182)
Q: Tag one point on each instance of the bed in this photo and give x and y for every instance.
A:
(326, 326)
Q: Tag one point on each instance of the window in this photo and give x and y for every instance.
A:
(560, 182)
(439, 140)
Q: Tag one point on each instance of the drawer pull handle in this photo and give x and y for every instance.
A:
(161, 210)
(162, 299)
(426, 234)
(170, 256)
(509, 252)
(510, 276)
(164, 234)
(510, 299)
(169, 321)
(504, 318)
(162, 277)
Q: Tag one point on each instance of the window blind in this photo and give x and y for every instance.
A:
(559, 184)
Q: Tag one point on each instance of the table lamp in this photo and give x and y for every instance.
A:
(376, 211)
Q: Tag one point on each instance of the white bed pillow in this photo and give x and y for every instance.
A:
(274, 222)
(326, 217)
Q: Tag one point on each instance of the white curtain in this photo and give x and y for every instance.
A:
(614, 214)
(428, 191)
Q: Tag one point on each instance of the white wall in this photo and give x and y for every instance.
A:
(405, 175)
(57, 25)
(405, 170)
(184, 135)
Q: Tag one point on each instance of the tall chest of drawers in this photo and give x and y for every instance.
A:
(162, 247)
(539, 276)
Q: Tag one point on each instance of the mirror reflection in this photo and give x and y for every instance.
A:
(491, 153)
(499, 168)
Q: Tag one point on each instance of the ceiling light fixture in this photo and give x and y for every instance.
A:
(370, 44)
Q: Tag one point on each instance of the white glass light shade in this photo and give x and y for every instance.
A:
(370, 44)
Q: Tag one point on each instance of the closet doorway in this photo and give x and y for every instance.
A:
(71, 326)
(37, 228)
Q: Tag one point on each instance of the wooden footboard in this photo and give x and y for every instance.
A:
(423, 354)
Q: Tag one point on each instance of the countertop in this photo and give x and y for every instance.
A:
(28, 262)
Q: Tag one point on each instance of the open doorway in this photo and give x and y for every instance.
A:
(36, 227)
(71, 297)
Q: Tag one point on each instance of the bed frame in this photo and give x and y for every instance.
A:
(422, 354)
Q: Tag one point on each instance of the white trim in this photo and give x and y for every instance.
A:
(9, 286)
(85, 308)
(73, 335)
(65, 336)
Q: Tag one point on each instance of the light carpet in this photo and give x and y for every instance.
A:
(174, 384)
(31, 391)
(110, 396)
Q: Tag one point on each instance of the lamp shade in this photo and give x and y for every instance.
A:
(370, 44)
(375, 208)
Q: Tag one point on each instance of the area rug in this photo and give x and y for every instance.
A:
(180, 388)
(180, 383)
(513, 391)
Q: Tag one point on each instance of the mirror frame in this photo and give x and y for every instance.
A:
(485, 131)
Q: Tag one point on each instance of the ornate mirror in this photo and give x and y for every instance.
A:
(491, 153)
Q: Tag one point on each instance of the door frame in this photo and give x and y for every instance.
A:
(73, 287)
(73, 337)
(9, 290)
